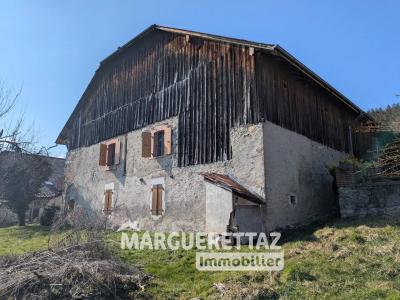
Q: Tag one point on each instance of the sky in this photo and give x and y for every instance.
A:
(51, 49)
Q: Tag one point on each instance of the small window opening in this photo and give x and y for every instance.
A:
(71, 204)
(111, 155)
(293, 200)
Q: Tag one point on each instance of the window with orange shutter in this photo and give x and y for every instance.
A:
(110, 153)
(157, 142)
(157, 200)
(108, 202)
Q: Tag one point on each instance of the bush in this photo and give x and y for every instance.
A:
(49, 215)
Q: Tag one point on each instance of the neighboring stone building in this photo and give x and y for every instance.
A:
(50, 193)
(180, 130)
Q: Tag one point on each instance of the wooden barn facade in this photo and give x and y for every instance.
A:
(211, 86)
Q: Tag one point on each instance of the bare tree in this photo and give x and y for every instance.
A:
(13, 136)
(23, 169)
(8, 100)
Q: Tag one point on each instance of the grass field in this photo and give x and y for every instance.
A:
(342, 260)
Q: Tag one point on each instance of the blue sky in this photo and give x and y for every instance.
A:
(52, 48)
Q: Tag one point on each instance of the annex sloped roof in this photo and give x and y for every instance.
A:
(225, 182)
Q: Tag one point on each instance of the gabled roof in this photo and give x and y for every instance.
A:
(275, 48)
(229, 184)
(271, 48)
(48, 190)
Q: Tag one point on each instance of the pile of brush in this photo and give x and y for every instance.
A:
(78, 265)
(68, 274)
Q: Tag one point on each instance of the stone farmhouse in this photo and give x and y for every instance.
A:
(186, 131)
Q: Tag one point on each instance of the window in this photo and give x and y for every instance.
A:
(293, 199)
(108, 194)
(157, 142)
(110, 153)
(157, 200)
(71, 204)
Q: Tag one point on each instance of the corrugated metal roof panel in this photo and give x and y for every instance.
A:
(228, 183)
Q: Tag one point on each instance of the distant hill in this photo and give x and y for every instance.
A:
(389, 117)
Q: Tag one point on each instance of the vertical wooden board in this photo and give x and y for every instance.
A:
(159, 199)
(105, 195)
(168, 140)
(117, 156)
(108, 200)
(154, 200)
(103, 155)
(146, 144)
(110, 195)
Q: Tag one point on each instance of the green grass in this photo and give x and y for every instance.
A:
(357, 259)
(19, 240)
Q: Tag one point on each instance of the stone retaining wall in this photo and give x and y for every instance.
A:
(365, 199)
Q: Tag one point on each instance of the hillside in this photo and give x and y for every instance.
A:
(357, 259)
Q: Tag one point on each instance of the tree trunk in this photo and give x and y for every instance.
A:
(21, 218)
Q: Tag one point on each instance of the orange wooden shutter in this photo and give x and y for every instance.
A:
(103, 155)
(167, 140)
(154, 192)
(117, 152)
(155, 143)
(105, 200)
(109, 206)
(108, 201)
(146, 144)
(159, 199)
(156, 202)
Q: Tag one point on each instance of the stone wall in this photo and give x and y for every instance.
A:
(185, 189)
(366, 199)
(7, 217)
(295, 167)
(219, 205)
(299, 187)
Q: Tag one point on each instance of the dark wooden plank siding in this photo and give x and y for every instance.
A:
(211, 86)
(165, 76)
(291, 100)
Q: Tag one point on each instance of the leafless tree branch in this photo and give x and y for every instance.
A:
(8, 99)
(14, 136)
